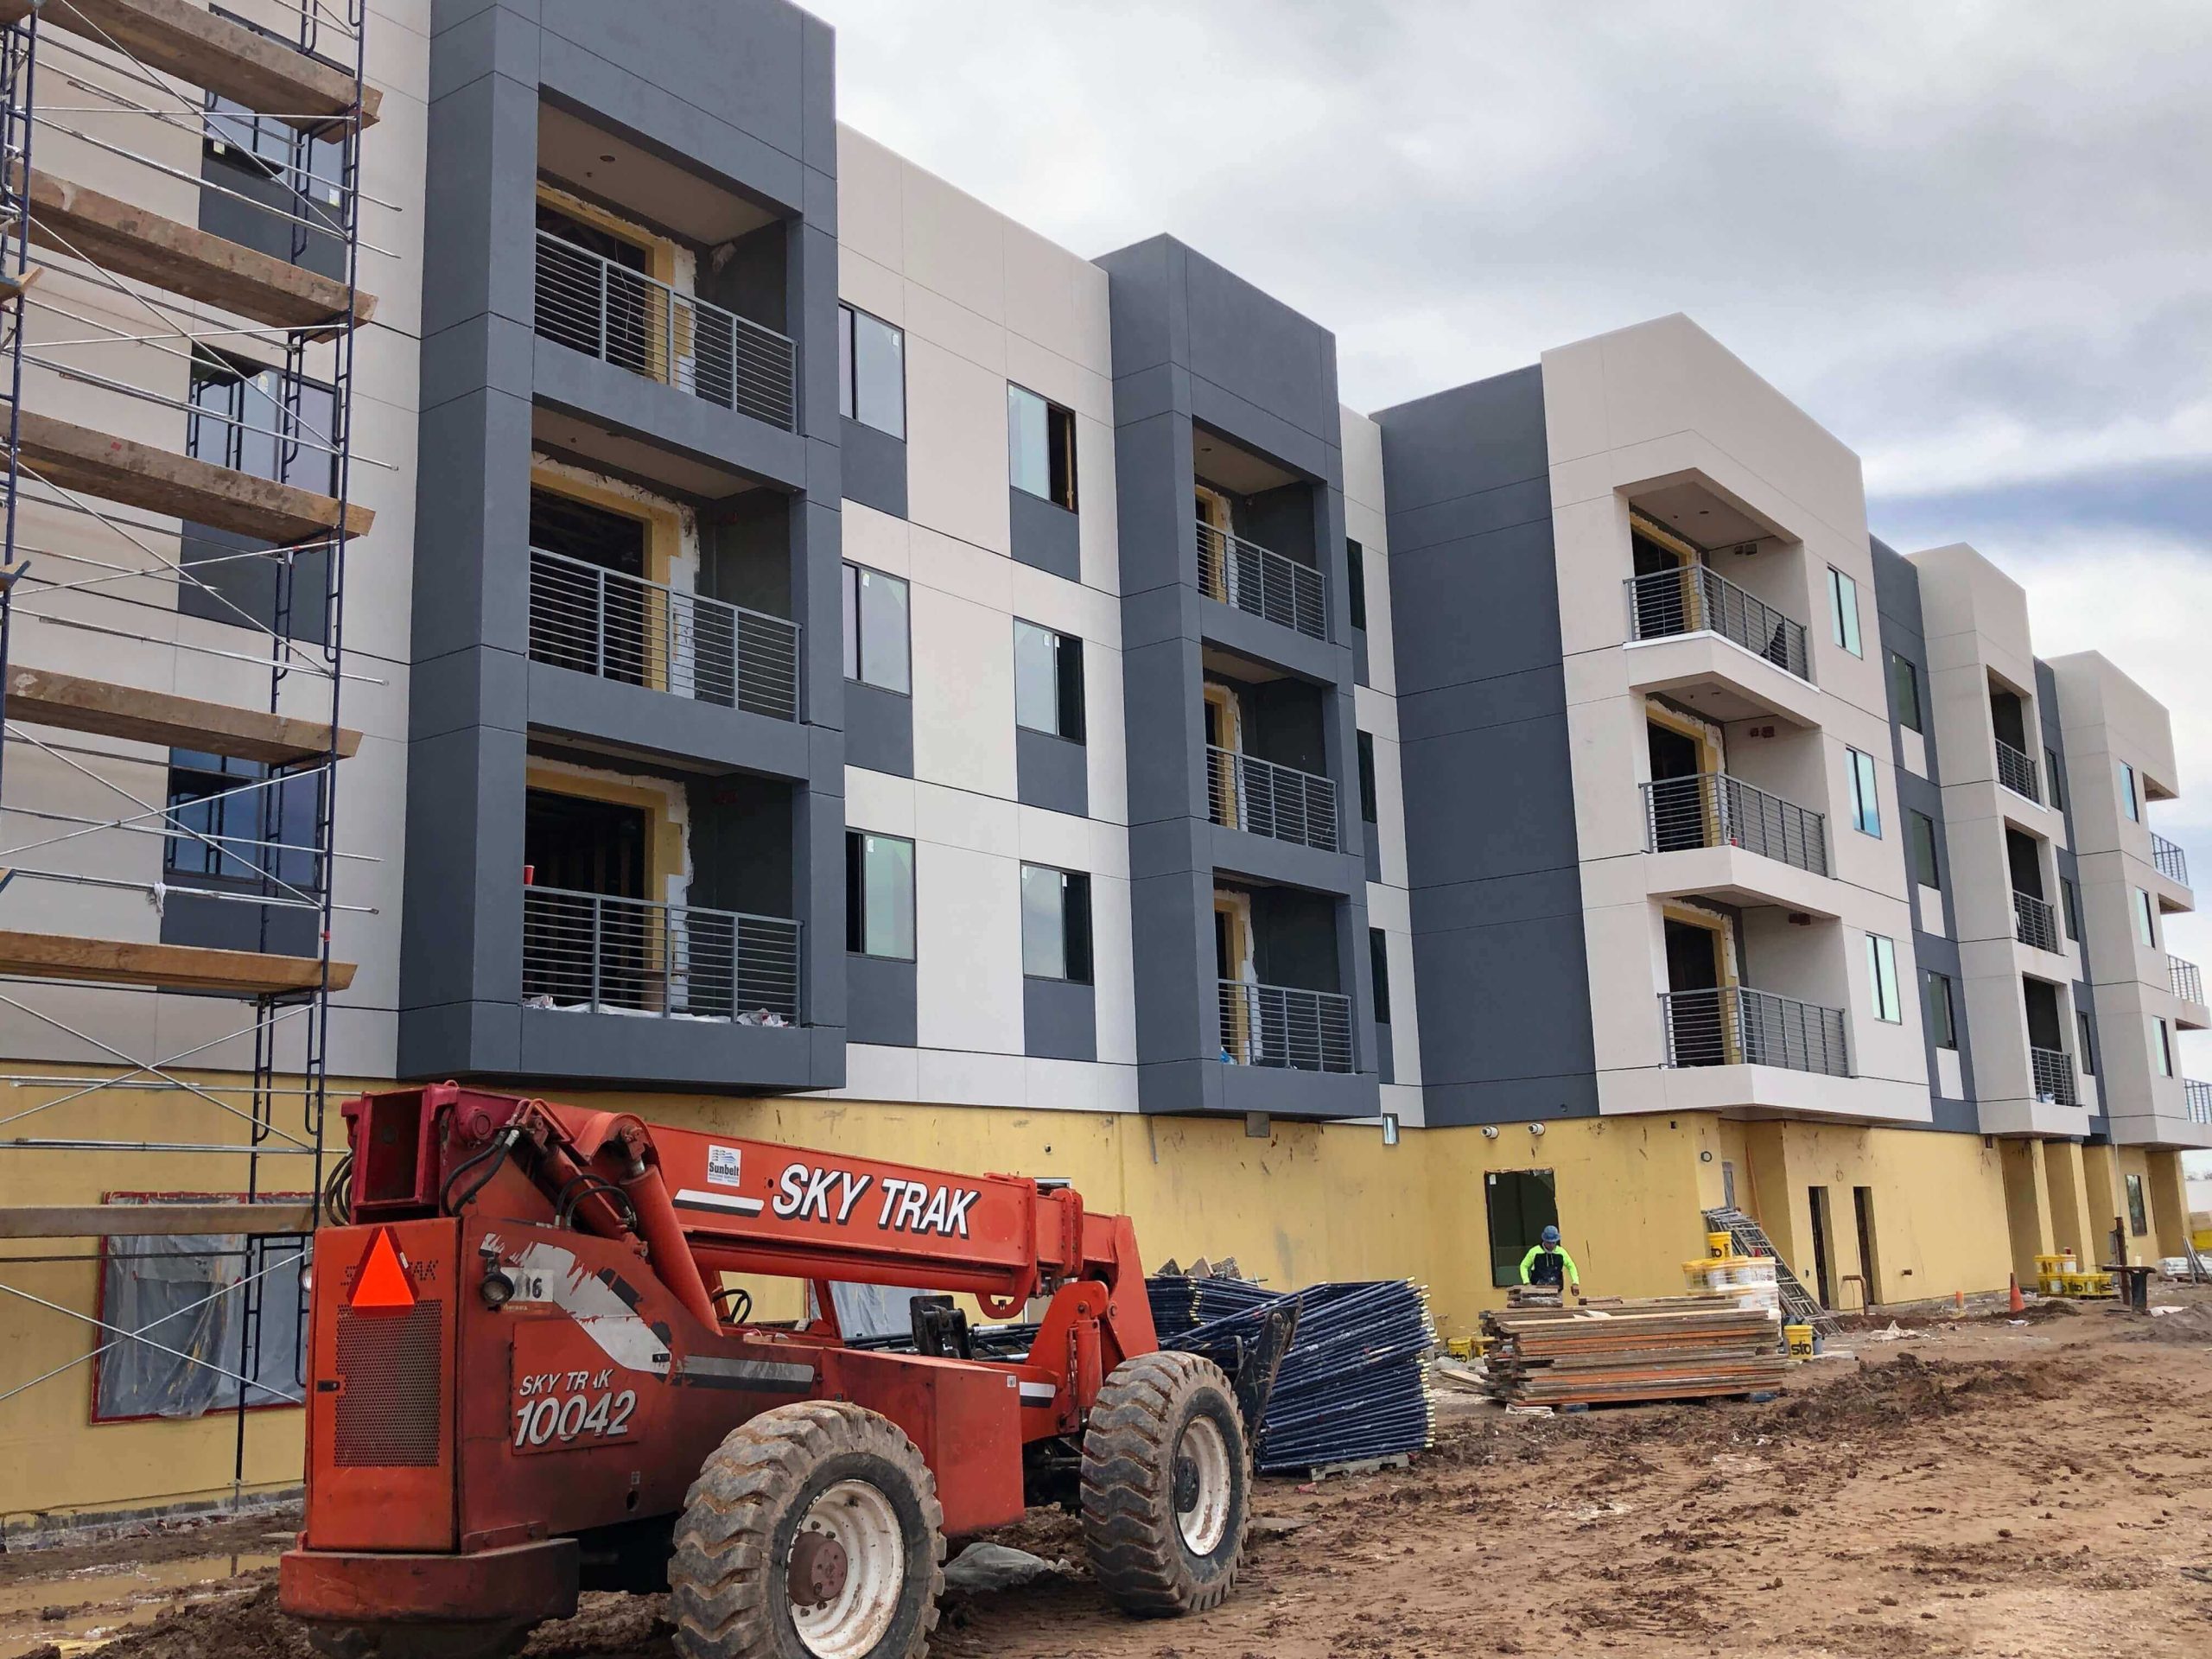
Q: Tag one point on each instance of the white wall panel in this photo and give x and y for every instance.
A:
(963, 694)
(968, 950)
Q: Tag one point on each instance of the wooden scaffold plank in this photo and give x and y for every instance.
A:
(160, 481)
(193, 44)
(166, 967)
(147, 1220)
(127, 240)
(103, 709)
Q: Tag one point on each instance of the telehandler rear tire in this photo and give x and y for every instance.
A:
(1166, 1485)
(813, 1532)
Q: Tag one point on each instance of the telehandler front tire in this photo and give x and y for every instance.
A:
(1166, 1485)
(813, 1532)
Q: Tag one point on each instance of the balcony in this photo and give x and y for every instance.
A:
(1713, 809)
(2052, 1070)
(602, 954)
(1283, 1025)
(2016, 771)
(625, 318)
(2188, 980)
(1697, 598)
(2173, 863)
(1733, 1025)
(616, 626)
(2198, 1098)
(1262, 583)
(1244, 792)
(2035, 922)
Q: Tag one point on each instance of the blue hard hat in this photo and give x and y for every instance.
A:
(1551, 1235)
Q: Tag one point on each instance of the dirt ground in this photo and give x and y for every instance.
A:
(2040, 1490)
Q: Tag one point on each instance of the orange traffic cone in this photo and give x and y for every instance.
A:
(1959, 1301)
(2019, 1303)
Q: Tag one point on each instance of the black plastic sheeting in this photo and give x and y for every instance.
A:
(1354, 1385)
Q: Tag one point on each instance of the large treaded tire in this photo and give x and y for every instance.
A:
(728, 1575)
(1136, 1541)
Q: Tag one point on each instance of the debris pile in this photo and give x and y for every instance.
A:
(1352, 1387)
(1665, 1348)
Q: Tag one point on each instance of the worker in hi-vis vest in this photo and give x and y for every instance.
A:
(1548, 1263)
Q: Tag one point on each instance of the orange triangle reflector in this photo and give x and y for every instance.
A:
(383, 1281)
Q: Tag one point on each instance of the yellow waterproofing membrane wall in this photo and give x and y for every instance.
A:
(1310, 1202)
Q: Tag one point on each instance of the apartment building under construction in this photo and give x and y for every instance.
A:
(534, 555)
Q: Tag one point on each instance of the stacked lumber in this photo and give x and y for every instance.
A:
(1664, 1348)
(1352, 1387)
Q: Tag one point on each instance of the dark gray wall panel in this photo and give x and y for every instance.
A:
(878, 729)
(741, 93)
(874, 468)
(1046, 534)
(880, 1000)
(1501, 975)
(1052, 773)
(1059, 1020)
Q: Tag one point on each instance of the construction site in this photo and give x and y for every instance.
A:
(685, 973)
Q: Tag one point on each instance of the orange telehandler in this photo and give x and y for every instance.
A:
(527, 1376)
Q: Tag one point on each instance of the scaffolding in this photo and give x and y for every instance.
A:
(104, 293)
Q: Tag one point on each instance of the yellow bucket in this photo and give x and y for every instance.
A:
(1719, 1244)
(1800, 1339)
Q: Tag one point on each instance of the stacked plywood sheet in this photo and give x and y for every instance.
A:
(1667, 1348)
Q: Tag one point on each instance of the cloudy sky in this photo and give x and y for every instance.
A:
(1975, 240)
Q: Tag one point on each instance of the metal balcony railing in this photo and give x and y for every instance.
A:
(2016, 771)
(626, 318)
(1244, 792)
(2197, 1097)
(2189, 982)
(2052, 1070)
(1697, 598)
(598, 952)
(2034, 921)
(598, 621)
(1733, 1025)
(1713, 809)
(1262, 582)
(2173, 863)
(1283, 1025)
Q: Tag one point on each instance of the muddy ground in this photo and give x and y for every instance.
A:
(2040, 1490)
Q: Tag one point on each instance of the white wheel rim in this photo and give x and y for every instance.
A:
(1205, 1522)
(859, 1518)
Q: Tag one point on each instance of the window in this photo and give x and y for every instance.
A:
(1521, 1204)
(1378, 970)
(1047, 681)
(876, 652)
(1055, 924)
(270, 186)
(2162, 1046)
(1904, 692)
(2139, 1211)
(2146, 923)
(1041, 447)
(879, 895)
(1920, 835)
(2057, 774)
(2088, 1031)
(2130, 801)
(1843, 611)
(2070, 902)
(1367, 796)
(871, 371)
(1882, 976)
(240, 419)
(1943, 1011)
(181, 1291)
(1356, 573)
(1866, 798)
(233, 827)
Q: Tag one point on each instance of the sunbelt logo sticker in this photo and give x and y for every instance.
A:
(723, 1163)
